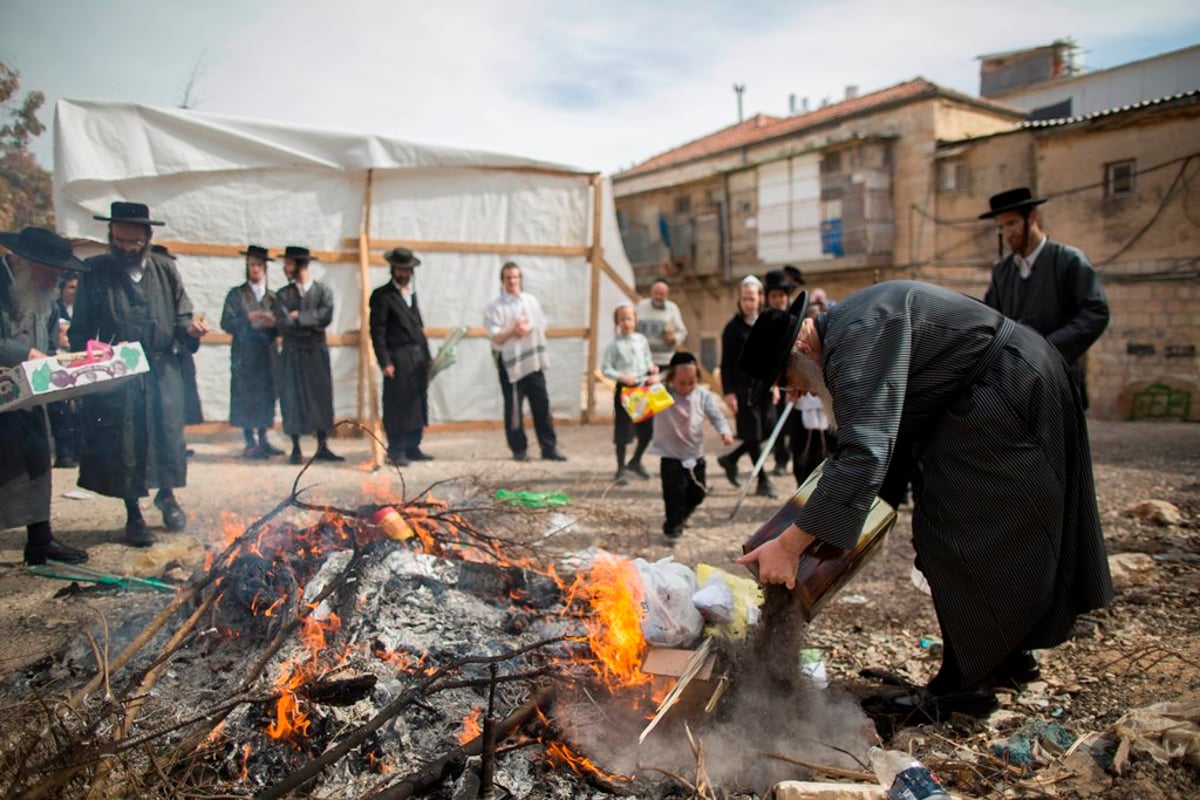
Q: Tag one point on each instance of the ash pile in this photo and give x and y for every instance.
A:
(415, 648)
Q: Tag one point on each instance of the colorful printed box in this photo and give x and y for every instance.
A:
(46, 380)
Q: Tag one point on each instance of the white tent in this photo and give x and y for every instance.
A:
(221, 182)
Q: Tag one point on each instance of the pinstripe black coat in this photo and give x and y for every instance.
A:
(1006, 525)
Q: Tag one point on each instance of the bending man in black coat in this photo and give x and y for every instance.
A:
(402, 351)
(1005, 522)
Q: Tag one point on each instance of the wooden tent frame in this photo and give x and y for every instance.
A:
(365, 251)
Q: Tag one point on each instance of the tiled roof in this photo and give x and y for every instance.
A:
(760, 128)
(1108, 112)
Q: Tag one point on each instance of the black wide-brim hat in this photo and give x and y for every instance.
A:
(297, 253)
(401, 257)
(131, 213)
(257, 252)
(44, 247)
(1012, 200)
(765, 353)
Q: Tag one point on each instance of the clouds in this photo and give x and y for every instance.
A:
(599, 85)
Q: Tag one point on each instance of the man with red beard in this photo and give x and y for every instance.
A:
(28, 279)
(1004, 521)
(133, 436)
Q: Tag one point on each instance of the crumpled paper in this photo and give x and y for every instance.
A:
(1163, 731)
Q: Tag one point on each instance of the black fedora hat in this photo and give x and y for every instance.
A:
(765, 352)
(257, 252)
(778, 280)
(796, 275)
(1012, 200)
(401, 257)
(44, 247)
(297, 253)
(131, 213)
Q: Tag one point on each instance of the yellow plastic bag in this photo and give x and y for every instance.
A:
(643, 402)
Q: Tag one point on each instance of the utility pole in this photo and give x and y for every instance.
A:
(739, 89)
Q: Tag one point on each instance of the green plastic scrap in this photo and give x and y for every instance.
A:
(533, 499)
(74, 572)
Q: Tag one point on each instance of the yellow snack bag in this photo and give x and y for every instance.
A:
(643, 402)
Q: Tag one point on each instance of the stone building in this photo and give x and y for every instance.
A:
(832, 191)
(1124, 187)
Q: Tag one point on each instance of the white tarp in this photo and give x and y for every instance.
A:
(218, 180)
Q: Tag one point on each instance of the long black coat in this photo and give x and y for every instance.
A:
(252, 358)
(133, 436)
(24, 438)
(754, 419)
(1006, 526)
(305, 379)
(1061, 299)
(398, 336)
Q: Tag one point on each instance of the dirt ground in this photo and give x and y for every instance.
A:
(1142, 650)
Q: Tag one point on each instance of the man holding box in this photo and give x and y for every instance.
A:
(28, 279)
(1004, 522)
(133, 436)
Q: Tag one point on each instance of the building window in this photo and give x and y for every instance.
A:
(683, 204)
(1118, 178)
(831, 164)
(952, 175)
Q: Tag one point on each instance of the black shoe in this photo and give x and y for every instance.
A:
(520, 456)
(66, 462)
(325, 454)
(780, 470)
(731, 470)
(637, 469)
(296, 457)
(419, 455)
(1017, 669)
(53, 550)
(918, 706)
(137, 534)
(268, 448)
(619, 479)
(553, 455)
(188, 453)
(765, 489)
(254, 452)
(173, 517)
(673, 533)
(399, 459)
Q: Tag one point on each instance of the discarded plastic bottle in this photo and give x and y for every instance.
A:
(906, 777)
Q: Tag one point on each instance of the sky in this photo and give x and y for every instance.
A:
(597, 85)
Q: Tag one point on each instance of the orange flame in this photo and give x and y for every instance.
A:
(472, 727)
(560, 754)
(291, 721)
(245, 762)
(612, 590)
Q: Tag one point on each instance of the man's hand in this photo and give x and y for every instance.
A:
(293, 315)
(779, 558)
(389, 371)
(726, 439)
(668, 338)
(731, 401)
(261, 319)
(34, 353)
(521, 327)
(197, 329)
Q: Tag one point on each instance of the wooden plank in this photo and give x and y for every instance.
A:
(234, 250)
(494, 248)
(595, 259)
(629, 291)
(351, 337)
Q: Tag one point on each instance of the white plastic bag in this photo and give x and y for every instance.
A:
(669, 619)
(714, 601)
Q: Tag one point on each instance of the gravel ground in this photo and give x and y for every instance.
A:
(1144, 649)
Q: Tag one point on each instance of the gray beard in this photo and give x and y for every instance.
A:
(31, 305)
(812, 375)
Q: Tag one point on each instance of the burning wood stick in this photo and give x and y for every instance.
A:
(435, 771)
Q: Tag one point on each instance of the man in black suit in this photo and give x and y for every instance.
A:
(402, 351)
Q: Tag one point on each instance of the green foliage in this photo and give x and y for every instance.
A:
(25, 187)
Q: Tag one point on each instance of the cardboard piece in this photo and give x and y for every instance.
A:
(63, 377)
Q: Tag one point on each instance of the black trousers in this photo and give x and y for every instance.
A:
(625, 429)
(682, 491)
(67, 428)
(809, 448)
(533, 388)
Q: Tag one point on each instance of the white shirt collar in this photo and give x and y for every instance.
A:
(259, 289)
(304, 287)
(1025, 263)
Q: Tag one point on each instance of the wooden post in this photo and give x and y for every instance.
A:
(366, 364)
(595, 259)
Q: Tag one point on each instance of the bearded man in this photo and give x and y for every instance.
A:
(1004, 522)
(402, 351)
(133, 436)
(249, 317)
(28, 280)
(1048, 286)
(303, 310)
